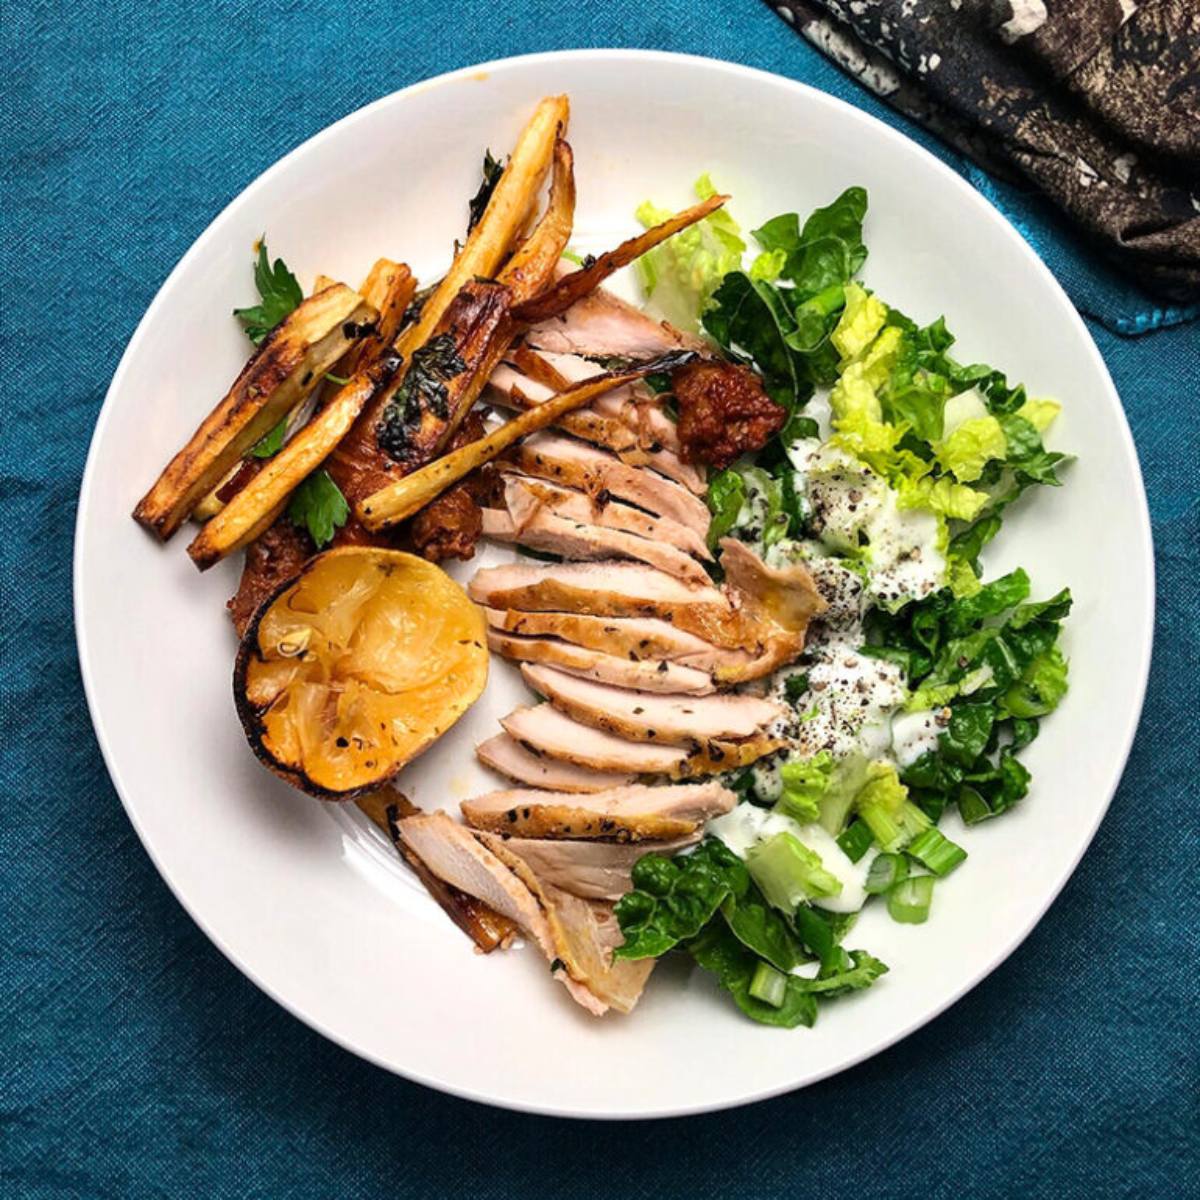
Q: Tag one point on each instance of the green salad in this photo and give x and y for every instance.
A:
(924, 680)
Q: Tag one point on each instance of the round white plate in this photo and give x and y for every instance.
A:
(306, 898)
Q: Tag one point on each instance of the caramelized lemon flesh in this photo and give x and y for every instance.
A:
(356, 667)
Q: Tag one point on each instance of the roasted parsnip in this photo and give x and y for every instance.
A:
(576, 285)
(288, 365)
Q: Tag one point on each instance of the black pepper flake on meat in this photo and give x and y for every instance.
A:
(662, 667)
(425, 386)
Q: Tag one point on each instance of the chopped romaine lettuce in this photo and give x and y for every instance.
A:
(682, 273)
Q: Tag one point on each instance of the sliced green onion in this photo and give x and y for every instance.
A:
(886, 871)
(936, 851)
(972, 807)
(908, 902)
(855, 840)
(768, 985)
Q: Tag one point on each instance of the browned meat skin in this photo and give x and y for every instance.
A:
(723, 412)
(623, 814)
(273, 559)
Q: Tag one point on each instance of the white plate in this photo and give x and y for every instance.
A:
(305, 898)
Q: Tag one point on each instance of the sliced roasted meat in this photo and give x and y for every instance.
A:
(525, 495)
(593, 870)
(575, 464)
(648, 676)
(601, 326)
(601, 589)
(549, 732)
(575, 935)
(635, 404)
(578, 541)
(638, 639)
(522, 765)
(786, 596)
(508, 388)
(646, 717)
(635, 813)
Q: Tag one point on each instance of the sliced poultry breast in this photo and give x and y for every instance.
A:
(546, 731)
(648, 676)
(601, 325)
(591, 869)
(579, 542)
(505, 754)
(573, 463)
(576, 935)
(635, 638)
(646, 717)
(525, 495)
(633, 813)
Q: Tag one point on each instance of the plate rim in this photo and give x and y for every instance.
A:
(968, 195)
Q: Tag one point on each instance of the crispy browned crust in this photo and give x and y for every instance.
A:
(571, 821)
(718, 623)
(282, 371)
(713, 757)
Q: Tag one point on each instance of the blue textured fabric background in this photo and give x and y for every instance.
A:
(137, 1062)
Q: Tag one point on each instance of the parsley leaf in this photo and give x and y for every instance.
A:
(280, 295)
(319, 506)
(270, 442)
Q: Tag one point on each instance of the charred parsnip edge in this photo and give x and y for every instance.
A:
(285, 369)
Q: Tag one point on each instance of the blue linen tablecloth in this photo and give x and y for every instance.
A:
(137, 1062)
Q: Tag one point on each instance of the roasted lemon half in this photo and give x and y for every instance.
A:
(355, 667)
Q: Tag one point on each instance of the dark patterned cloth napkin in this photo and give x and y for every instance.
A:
(1096, 103)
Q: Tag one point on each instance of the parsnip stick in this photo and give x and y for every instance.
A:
(533, 262)
(257, 505)
(578, 284)
(506, 214)
(404, 497)
(287, 366)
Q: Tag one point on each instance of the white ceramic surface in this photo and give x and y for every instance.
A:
(307, 899)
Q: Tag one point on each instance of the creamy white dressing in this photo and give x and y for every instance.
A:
(747, 825)
(913, 735)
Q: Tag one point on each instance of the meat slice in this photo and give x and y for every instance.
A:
(507, 388)
(785, 596)
(524, 495)
(648, 676)
(576, 540)
(601, 325)
(547, 731)
(633, 813)
(505, 754)
(591, 869)
(575, 464)
(638, 639)
(617, 589)
(645, 717)
(575, 935)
